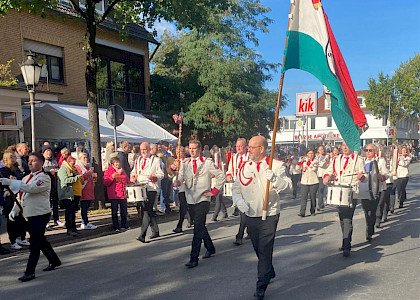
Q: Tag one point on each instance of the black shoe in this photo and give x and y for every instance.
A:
(27, 277)
(300, 215)
(209, 254)
(191, 264)
(401, 206)
(259, 294)
(235, 213)
(168, 211)
(318, 209)
(391, 211)
(273, 275)
(346, 252)
(4, 251)
(52, 267)
(177, 230)
(141, 239)
(378, 224)
(368, 238)
(238, 242)
(71, 232)
(225, 216)
(214, 219)
(153, 236)
(384, 220)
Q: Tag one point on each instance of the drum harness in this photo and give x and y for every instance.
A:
(352, 174)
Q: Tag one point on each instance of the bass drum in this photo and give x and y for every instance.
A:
(374, 183)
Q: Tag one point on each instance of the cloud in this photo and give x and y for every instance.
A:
(162, 26)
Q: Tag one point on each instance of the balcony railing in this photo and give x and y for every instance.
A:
(127, 100)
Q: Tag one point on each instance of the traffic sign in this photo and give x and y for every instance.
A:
(115, 115)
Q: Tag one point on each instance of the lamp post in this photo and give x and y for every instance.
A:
(31, 72)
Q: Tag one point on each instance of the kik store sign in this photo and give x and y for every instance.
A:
(306, 104)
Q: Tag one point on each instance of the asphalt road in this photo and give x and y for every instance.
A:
(306, 259)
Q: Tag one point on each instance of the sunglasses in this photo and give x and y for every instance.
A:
(369, 150)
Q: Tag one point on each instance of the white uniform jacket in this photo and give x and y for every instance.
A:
(294, 170)
(200, 182)
(181, 188)
(323, 163)
(35, 198)
(403, 163)
(343, 173)
(309, 169)
(252, 183)
(145, 167)
(236, 163)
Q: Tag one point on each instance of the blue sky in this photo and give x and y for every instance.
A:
(373, 35)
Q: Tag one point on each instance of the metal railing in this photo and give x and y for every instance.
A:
(127, 100)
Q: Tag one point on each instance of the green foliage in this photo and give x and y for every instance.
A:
(402, 90)
(216, 77)
(6, 77)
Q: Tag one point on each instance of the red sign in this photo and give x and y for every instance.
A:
(306, 104)
(319, 136)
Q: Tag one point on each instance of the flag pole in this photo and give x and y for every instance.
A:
(273, 138)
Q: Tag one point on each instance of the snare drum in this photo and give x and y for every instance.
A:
(136, 193)
(227, 190)
(339, 195)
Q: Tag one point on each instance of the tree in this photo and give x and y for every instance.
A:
(400, 94)
(143, 12)
(216, 77)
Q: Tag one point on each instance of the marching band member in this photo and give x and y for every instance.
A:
(35, 197)
(295, 172)
(183, 205)
(402, 176)
(147, 169)
(347, 169)
(249, 193)
(323, 162)
(308, 182)
(383, 204)
(366, 190)
(220, 205)
(389, 187)
(235, 163)
(196, 172)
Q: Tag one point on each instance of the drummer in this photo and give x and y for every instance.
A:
(347, 169)
(147, 170)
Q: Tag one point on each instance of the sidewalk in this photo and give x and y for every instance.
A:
(57, 236)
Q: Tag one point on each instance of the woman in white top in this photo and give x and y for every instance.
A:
(402, 175)
(309, 182)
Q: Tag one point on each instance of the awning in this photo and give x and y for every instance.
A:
(55, 122)
(374, 133)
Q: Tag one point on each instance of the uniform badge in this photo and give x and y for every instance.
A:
(39, 183)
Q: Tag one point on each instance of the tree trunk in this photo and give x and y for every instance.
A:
(92, 105)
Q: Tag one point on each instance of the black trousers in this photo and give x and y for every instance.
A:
(383, 204)
(369, 207)
(71, 207)
(321, 189)
(262, 235)
(183, 210)
(242, 226)
(166, 186)
(198, 214)
(304, 191)
(295, 179)
(392, 198)
(346, 222)
(400, 189)
(122, 203)
(149, 217)
(220, 206)
(84, 207)
(17, 228)
(36, 228)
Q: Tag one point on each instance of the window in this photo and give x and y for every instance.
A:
(361, 101)
(385, 120)
(8, 137)
(8, 118)
(286, 124)
(293, 124)
(313, 123)
(50, 57)
(329, 121)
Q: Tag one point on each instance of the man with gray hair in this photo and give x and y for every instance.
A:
(123, 151)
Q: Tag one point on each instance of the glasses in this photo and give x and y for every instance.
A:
(369, 150)
(252, 148)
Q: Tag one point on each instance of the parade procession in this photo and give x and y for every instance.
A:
(154, 150)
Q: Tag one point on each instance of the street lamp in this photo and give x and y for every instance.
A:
(31, 72)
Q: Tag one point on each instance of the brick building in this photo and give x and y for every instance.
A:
(123, 66)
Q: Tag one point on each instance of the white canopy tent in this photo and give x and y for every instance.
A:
(62, 122)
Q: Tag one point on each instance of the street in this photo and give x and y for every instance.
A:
(306, 259)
